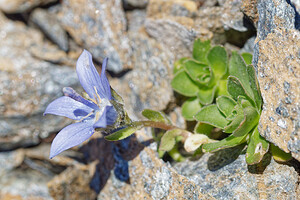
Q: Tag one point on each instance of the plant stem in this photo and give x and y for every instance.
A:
(159, 125)
(184, 133)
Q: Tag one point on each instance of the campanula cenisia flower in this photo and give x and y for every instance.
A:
(94, 112)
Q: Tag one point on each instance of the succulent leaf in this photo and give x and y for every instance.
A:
(217, 58)
(190, 108)
(200, 50)
(228, 142)
(254, 86)
(237, 68)
(206, 95)
(211, 115)
(225, 105)
(184, 85)
(257, 148)
(168, 140)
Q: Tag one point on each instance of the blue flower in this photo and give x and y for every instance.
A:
(94, 112)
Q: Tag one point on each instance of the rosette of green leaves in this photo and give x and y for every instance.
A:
(237, 113)
(202, 77)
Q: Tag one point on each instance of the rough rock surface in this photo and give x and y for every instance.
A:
(183, 8)
(279, 78)
(151, 178)
(276, 58)
(249, 8)
(49, 24)
(149, 79)
(136, 20)
(18, 6)
(27, 86)
(73, 183)
(225, 175)
(99, 26)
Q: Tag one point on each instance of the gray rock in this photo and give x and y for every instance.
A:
(278, 75)
(274, 14)
(175, 36)
(277, 52)
(232, 17)
(151, 178)
(19, 6)
(225, 175)
(18, 180)
(158, 8)
(99, 26)
(149, 79)
(136, 19)
(27, 86)
(51, 27)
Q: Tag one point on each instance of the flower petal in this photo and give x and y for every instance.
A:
(111, 115)
(70, 92)
(88, 75)
(71, 136)
(108, 117)
(102, 121)
(68, 107)
(104, 79)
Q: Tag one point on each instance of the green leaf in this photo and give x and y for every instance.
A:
(184, 85)
(211, 115)
(225, 104)
(168, 140)
(203, 128)
(222, 88)
(217, 58)
(156, 116)
(237, 117)
(200, 50)
(235, 89)
(123, 133)
(178, 65)
(190, 108)
(257, 148)
(247, 58)
(254, 86)
(251, 118)
(198, 72)
(228, 142)
(279, 155)
(237, 68)
(206, 95)
(243, 101)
